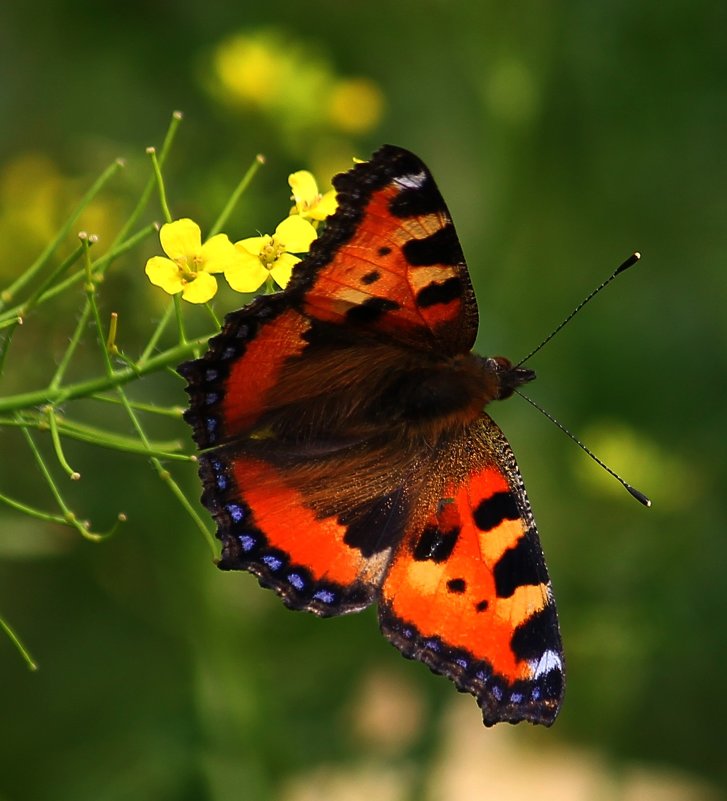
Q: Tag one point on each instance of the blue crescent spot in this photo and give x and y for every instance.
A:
(296, 580)
(272, 562)
(247, 542)
(325, 596)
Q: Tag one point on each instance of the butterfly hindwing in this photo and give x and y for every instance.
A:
(468, 592)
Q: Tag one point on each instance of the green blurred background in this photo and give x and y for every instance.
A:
(563, 136)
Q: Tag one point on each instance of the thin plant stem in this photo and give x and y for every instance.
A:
(5, 347)
(82, 389)
(69, 517)
(151, 183)
(31, 511)
(72, 345)
(57, 446)
(16, 641)
(50, 280)
(10, 293)
(10, 316)
(180, 319)
(236, 194)
(213, 315)
(166, 476)
(160, 185)
(155, 337)
(164, 411)
(167, 449)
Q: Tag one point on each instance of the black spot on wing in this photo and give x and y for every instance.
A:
(384, 250)
(370, 310)
(435, 545)
(537, 635)
(441, 247)
(371, 277)
(496, 509)
(457, 585)
(412, 201)
(375, 526)
(520, 565)
(444, 292)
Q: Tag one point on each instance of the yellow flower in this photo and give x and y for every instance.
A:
(309, 202)
(190, 264)
(263, 256)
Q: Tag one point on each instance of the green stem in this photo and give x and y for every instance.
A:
(31, 511)
(72, 345)
(168, 449)
(69, 518)
(165, 411)
(166, 476)
(180, 319)
(160, 185)
(83, 389)
(58, 447)
(235, 196)
(91, 299)
(10, 316)
(151, 183)
(31, 663)
(213, 315)
(5, 347)
(9, 294)
(155, 337)
(50, 281)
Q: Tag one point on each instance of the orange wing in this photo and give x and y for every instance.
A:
(389, 260)
(468, 593)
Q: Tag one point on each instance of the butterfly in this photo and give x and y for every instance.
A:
(347, 460)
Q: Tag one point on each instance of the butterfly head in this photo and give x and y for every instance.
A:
(508, 377)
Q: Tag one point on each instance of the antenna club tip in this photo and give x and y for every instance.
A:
(640, 497)
(632, 259)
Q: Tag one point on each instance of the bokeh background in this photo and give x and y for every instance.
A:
(563, 136)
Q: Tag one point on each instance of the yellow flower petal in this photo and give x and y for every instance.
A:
(283, 268)
(325, 206)
(248, 274)
(219, 254)
(295, 234)
(164, 273)
(305, 189)
(200, 289)
(253, 244)
(181, 239)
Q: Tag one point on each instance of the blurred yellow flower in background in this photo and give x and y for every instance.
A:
(293, 84)
(355, 105)
(36, 197)
(266, 256)
(190, 264)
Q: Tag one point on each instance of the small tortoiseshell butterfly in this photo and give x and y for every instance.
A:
(347, 460)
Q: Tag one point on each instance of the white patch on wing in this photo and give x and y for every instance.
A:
(547, 662)
(412, 181)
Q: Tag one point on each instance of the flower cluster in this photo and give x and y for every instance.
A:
(190, 266)
(293, 84)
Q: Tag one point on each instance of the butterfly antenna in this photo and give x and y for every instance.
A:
(636, 493)
(632, 259)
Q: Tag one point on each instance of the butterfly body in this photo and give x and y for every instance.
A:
(347, 459)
